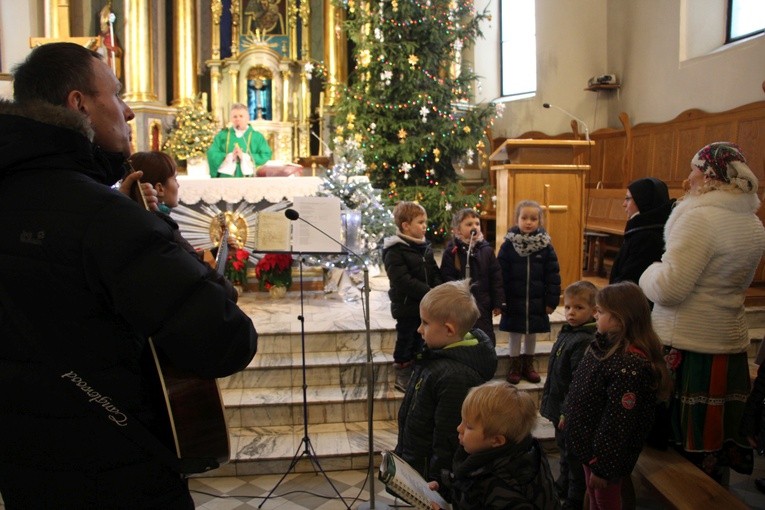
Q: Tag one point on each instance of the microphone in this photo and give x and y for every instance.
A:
(473, 232)
(586, 129)
(292, 214)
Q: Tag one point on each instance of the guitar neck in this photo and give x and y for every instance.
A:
(136, 192)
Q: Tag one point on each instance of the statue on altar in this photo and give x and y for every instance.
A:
(110, 45)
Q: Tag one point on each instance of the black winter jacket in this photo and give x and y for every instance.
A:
(531, 284)
(610, 409)
(643, 244)
(95, 275)
(431, 409)
(485, 277)
(566, 353)
(412, 272)
(514, 476)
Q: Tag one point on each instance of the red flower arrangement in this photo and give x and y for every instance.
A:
(274, 270)
(236, 266)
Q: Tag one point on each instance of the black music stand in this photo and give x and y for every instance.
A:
(305, 442)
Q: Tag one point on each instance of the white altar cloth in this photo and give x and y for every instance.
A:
(249, 189)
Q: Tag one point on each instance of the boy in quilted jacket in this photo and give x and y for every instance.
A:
(499, 464)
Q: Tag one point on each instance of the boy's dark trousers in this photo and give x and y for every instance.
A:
(570, 484)
(408, 340)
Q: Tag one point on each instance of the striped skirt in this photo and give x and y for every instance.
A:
(707, 408)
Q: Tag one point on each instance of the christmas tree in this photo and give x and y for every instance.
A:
(407, 103)
(347, 180)
(193, 133)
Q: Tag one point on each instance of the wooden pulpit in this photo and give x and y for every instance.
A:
(551, 172)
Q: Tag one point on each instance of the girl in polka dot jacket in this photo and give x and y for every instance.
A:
(610, 406)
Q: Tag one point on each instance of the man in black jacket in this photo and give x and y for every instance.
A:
(88, 277)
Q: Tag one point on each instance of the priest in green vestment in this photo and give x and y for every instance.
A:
(237, 150)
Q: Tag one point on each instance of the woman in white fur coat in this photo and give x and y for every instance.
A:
(714, 241)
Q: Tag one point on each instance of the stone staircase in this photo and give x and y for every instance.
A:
(264, 403)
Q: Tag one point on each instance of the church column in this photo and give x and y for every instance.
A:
(286, 91)
(185, 52)
(335, 50)
(216, 9)
(233, 71)
(57, 19)
(139, 52)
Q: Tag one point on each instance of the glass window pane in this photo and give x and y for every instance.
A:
(518, 47)
(746, 17)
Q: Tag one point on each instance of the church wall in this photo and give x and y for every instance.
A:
(19, 20)
(664, 53)
(649, 39)
(571, 47)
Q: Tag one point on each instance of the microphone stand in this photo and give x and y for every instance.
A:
(369, 365)
(306, 441)
(467, 260)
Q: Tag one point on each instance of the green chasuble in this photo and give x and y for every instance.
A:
(251, 142)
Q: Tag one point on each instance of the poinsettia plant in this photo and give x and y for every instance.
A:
(236, 266)
(274, 270)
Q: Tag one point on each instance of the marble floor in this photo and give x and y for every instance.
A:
(312, 491)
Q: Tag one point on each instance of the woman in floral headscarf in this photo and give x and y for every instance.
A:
(714, 242)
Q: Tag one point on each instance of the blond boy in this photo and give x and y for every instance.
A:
(499, 464)
(454, 360)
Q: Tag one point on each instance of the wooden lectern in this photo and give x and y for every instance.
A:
(551, 172)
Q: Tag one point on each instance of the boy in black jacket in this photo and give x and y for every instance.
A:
(569, 348)
(412, 272)
(499, 464)
(455, 359)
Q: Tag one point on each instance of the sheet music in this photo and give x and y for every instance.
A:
(273, 232)
(324, 214)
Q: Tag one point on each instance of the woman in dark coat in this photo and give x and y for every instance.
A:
(647, 205)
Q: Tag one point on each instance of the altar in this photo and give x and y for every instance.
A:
(239, 199)
(233, 190)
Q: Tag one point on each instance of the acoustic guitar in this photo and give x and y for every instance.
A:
(195, 413)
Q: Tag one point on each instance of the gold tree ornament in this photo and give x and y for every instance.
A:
(402, 135)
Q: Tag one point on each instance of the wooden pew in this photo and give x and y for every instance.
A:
(604, 227)
(605, 221)
(680, 484)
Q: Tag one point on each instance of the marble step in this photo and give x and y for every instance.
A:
(283, 406)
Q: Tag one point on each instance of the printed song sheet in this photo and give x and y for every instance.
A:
(319, 228)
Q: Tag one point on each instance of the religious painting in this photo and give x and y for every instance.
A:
(267, 17)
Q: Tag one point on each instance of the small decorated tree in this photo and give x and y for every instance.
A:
(192, 134)
(347, 180)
